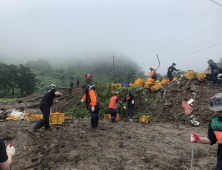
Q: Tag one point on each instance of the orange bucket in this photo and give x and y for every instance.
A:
(117, 118)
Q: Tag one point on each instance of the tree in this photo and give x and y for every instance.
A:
(13, 78)
(41, 66)
(26, 80)
(130, 75)
(4, 81)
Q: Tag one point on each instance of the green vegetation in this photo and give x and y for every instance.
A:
(101, 70)
(78, 112)
(9, 100)
(16, 81)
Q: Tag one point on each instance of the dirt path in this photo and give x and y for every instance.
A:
(118, 146)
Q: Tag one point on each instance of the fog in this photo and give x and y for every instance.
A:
(186, 32)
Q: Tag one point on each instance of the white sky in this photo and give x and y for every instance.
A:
(59, 29)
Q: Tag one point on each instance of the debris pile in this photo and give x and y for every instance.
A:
(168, 103)
(28, 107)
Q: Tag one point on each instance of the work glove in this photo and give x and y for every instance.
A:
(82, 101)
(10, 149)
(93, 109)
(132, 101)
(60, 95)
(195, 138)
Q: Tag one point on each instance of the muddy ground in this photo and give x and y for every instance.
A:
(119, 146)
(162, 144)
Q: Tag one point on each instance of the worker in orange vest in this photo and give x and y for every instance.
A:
(88, 77)
(92, 103)
(113, 106)
(153, 73)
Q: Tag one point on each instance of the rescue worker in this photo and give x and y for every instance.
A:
(71, 85)
(45, 105)
(92, 103)
(214, 70)
(6, 155)
(88, 77)
(214, 130)
(170, 71)
(153, 73)
(130, 103)
(113, 104)
(77, 82)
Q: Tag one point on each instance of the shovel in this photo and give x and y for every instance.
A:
(193, 145)
(10, 146)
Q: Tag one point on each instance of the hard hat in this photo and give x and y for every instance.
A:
(210, 60)
(216, 102)
(85, 86)
(52, 86)
(151, 68)
(173, 63)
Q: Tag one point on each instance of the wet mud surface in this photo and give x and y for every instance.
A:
(119, 146)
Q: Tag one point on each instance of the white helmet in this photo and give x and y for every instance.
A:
(52, 86)
(216, 102)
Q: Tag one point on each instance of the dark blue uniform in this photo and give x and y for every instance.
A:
(170, 72)
(129, 97)
(214, 71)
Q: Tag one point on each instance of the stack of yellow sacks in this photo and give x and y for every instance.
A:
(149, 83)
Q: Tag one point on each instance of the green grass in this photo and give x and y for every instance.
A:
(78, 112)
(9, 100)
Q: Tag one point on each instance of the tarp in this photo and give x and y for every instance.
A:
(187, 107)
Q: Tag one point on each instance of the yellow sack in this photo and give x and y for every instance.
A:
(190, 74)
(13, 118)
(118, 86)
(113, 86)
(139, 82)
(29, 116)
(132, 85)
(156, 82)
(201, 75)
(148, 85)
(149, 79)
(165, 81)
(175, 78)
(157, 87)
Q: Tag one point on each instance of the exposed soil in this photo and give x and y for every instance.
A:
(162, 144)
(118, 146)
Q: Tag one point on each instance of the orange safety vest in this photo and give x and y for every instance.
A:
(112, 103)
(152, 73)
(216, 126)
(88, 75)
